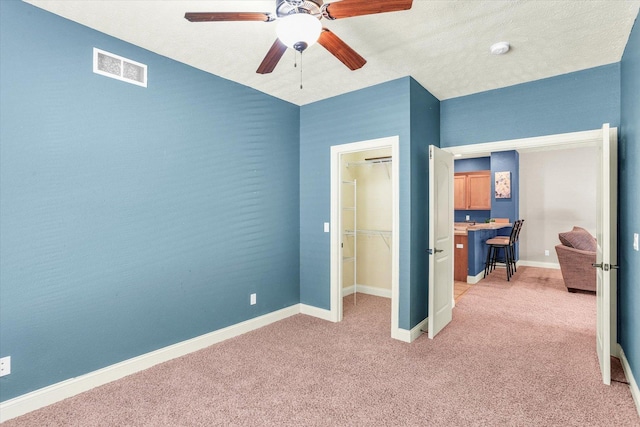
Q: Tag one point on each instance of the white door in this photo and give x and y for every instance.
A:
(440, 239)
(606, 253)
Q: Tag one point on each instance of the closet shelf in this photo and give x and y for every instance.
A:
(386, 161)
(370, 162)
(385, 234)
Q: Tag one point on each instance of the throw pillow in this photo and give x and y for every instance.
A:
(578, 238)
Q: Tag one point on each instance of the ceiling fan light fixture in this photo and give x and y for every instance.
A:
(299, 30)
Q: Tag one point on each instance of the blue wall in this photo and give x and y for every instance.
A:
(375, 112)
(132, 218)
(478, 248)
(629, 203)
(572, 102)
(506, 208)
(371, 113)
(472, 165)
(425, 131)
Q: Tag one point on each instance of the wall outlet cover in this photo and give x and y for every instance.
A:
(636, 244)
(5, 366)
(253, 299)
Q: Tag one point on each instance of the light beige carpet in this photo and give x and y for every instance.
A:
(519, 353)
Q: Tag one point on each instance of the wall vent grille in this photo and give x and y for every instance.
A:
(119, 68)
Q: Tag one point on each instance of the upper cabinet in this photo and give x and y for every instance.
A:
(460, 191)
(472, 190)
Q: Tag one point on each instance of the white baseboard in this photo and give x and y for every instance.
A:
(56, 392)
(551, 265)
(320, 313)
(633, 384)
(413, 334)
(521, 263)
(369, 290)
(475, 279)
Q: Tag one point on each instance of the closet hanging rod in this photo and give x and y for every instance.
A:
(378, 159)
(372, 161)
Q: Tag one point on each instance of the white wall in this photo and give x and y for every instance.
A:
(557, 191)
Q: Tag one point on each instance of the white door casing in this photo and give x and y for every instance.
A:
(607, 313)
(440, 240)
(393, 142)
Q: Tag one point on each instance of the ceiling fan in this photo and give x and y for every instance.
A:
(299, 25)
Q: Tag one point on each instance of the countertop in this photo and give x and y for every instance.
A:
(461, 228)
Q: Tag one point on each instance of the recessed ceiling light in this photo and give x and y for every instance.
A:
(499, 48)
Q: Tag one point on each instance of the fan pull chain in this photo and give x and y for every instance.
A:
(300, 70)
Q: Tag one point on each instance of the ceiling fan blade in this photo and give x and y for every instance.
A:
(341, 50)
(349, 8)
(227, 16)
(273, 56)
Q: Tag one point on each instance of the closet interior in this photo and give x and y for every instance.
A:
(366, 209)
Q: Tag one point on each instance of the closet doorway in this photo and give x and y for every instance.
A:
(365, 223)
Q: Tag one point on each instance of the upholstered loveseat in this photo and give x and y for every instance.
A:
(575, 255)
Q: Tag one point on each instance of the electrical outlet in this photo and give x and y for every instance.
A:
(636, 246)
(5, 366)
(546, 252)
(326, 227)
(467, 218)
(253, 299)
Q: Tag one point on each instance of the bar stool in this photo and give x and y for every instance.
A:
(507, 244)
(519, 224)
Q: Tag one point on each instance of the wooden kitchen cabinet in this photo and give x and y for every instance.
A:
(460, 258)
(472, 190)
(460, 191)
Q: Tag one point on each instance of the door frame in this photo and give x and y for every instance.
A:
(337, 151)
(590, 138)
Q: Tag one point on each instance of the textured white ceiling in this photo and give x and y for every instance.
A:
(444, 45)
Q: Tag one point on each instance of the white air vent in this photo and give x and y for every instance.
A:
(117, 67)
